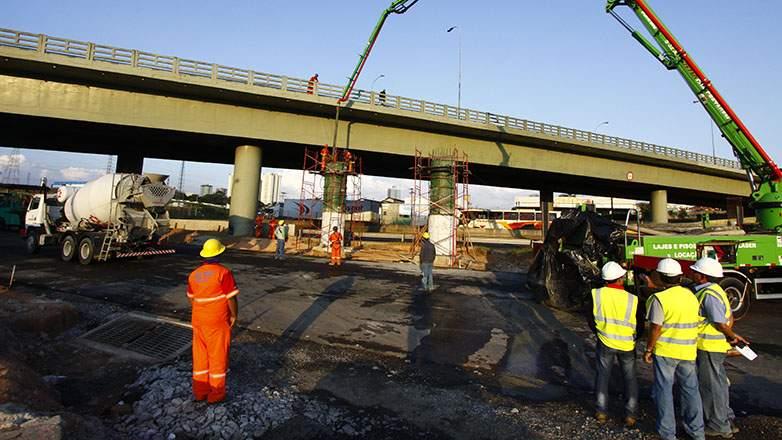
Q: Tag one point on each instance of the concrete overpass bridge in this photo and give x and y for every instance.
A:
(70, 95)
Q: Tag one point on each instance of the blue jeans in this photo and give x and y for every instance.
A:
(686, 375)
(426, 276)
(605, 362)
(280, 248)
(714, 391)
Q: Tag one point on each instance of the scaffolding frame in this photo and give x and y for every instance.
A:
(453, 205)
(313, 179)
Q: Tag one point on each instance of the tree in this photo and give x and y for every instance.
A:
(217, 198)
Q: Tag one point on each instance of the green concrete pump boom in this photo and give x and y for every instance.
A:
(766, 195)
(397, 7)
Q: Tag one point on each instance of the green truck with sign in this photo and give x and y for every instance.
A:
(751, 262)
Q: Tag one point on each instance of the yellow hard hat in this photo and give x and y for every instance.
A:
(282, 222)
(426, 235)
(212, 248)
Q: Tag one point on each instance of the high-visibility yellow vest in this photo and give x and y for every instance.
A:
(681, 323)
(709, 338)
(614, 312)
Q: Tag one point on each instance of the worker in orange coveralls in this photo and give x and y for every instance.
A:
(348, 160)
(212, 292)
(335, 240)
(324, 157)
(259, 225)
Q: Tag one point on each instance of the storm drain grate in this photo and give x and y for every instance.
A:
(148, 338)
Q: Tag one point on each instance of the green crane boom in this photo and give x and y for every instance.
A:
(397, 7)
(766, 195)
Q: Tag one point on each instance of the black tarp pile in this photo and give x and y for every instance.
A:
(568, 265)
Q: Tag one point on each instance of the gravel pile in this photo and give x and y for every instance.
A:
(166, 411)
(18, 423)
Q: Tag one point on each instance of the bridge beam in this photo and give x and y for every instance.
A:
(659, 206)
(130, 163)
(244, 192)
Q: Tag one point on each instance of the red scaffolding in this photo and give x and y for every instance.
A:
(451, 204)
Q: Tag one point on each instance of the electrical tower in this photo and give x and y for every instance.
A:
(11, 170)
(181, 185)
(110, 165)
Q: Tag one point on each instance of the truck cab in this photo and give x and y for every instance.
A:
(40, 219)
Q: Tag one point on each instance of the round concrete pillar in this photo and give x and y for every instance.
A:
(244, 193)
(659, 206)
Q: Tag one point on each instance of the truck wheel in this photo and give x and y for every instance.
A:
(86, 250)
(68, 248)
(734, 288)
(31, 243)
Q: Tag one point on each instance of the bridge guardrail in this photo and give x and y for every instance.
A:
(186, 67)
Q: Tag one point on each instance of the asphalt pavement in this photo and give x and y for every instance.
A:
(476, 321)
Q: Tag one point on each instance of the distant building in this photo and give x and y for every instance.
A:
(390, 210)
(206, 190)
(270, 188)
(394, 193)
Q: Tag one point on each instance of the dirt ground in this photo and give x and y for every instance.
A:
(320, 352)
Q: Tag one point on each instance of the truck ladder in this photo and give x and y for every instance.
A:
(108, 240)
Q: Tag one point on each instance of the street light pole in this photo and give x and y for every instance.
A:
(459, 96)
(600, 125)
(372, 87)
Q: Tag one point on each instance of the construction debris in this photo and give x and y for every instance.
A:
(568, 264)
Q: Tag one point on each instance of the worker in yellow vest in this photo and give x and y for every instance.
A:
(674, 324)
(716, 338)
(614, 311)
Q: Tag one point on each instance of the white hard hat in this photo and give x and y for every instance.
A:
(708, 266)
(669, 267)
(612, 271)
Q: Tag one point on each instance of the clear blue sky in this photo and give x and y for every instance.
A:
(565, 63)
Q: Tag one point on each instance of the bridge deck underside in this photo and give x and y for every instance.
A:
(88, 137)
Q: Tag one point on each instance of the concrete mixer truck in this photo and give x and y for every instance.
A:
(113, 216)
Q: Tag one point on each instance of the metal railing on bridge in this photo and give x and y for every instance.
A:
(100, 53)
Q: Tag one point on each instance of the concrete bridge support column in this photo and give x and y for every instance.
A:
(244, 194)
(546, 205)
(335, 182)
(659, 206)
(130, 163)
(442, 219)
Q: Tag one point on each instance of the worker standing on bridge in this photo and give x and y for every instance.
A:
(672, 345)
(312, 84)
(280, 234)
(426, 260)
(335, 241)
(614, 312)
(716, 338)
(212, 292)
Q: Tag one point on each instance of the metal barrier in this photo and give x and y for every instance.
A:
(184, 67)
